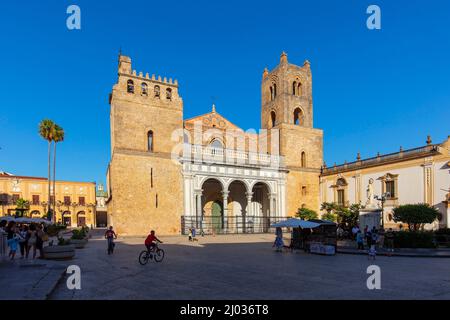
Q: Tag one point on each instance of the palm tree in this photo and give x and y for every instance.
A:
(58, 137)
(47, 130)
(22, 205)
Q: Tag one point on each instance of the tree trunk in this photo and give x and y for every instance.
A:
(54, 183)
(49, 178)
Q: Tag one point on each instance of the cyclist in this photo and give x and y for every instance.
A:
(150, 241)
(110, 235)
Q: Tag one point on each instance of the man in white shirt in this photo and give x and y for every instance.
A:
(355, 230)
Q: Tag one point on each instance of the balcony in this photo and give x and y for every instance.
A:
(207, 154)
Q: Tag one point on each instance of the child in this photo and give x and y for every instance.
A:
(278, 243)
(372, 252)
(13, 243)
(190, 234)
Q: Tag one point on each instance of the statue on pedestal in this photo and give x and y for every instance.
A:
(370, 203)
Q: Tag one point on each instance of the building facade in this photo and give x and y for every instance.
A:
(168, 174)
(419, 175)
(101, 210)
(75, 201)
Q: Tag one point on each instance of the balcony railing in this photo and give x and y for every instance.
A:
(391, 157)
(207, 154)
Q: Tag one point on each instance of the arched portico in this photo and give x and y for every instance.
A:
(231, 199)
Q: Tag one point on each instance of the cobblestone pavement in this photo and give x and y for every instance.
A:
(246, 267)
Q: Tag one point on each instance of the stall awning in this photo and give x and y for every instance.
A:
(296, 223)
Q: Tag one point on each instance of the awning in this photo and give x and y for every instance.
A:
(25, 220)
(296, 223)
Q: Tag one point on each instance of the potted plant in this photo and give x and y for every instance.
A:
(62, 251)
(78, 238)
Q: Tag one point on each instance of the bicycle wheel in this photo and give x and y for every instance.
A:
(143, 257)
(159, 255)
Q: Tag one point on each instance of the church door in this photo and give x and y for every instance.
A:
(216, 217)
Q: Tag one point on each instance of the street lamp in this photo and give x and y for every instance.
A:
(383, 198)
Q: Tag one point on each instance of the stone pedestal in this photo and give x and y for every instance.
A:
(369, 217)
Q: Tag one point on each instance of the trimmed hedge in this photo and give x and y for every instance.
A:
(409, 239)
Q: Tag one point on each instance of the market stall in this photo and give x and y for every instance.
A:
(314, 236)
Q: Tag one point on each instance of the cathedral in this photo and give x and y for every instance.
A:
(169, 174)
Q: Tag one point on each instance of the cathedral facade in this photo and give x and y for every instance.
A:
(168, 173)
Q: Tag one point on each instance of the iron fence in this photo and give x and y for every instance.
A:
(230, 225)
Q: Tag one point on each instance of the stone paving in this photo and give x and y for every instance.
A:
(29, 279)
(246, 267)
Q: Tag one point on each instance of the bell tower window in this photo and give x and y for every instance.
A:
(150, 141)
(273, 118)
(169, 94)
(144, 89)
(298, 117)
(130, 86)
(157, 92)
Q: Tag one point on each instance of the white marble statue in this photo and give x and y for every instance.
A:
(370, 203)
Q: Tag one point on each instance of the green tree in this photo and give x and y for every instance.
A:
(22, 205)
(329, 217)
(348, 216)
(58, 137)
(328, 206)
(47, 132)
(415, 215)
(306, 214)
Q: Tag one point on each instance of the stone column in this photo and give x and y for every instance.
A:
(225, 209)
(272, 208)
(248, 210)
(198, 212)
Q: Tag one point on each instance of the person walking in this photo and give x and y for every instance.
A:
(40, 237)
(360, 240)
(32, 239)
(110, 235)
(355, 230)
(23, 242)
(190, 234)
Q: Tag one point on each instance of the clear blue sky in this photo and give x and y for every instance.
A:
(373, 90)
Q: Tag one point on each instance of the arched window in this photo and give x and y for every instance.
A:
(298, 117)
(273, 118)
(186, 137)
(294, 87)
(150, 141)
(169, 94)
(303, 159)
(130, 86)
(274, 91)
(216, 144)
(299, 89)
(157, 92)
(271, 93)
(144, 89)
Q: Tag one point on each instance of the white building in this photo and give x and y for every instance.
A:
(420, 175)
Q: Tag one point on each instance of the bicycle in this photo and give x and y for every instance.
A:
(155, 253)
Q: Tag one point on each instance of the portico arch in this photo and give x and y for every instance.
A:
(213, 206)
(262, 204)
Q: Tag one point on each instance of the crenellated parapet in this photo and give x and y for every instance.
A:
(143, 87)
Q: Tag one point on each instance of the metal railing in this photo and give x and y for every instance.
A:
(231, 225)
(401, 155)
(208, 154)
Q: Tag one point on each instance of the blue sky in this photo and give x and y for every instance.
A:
(373, 90)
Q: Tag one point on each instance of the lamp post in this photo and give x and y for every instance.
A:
(383, 198)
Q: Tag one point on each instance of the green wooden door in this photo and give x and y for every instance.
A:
(216, 217)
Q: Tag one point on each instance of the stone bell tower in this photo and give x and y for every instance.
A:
(287, 106)
(145, 185)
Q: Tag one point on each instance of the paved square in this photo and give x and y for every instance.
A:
(246, 267)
